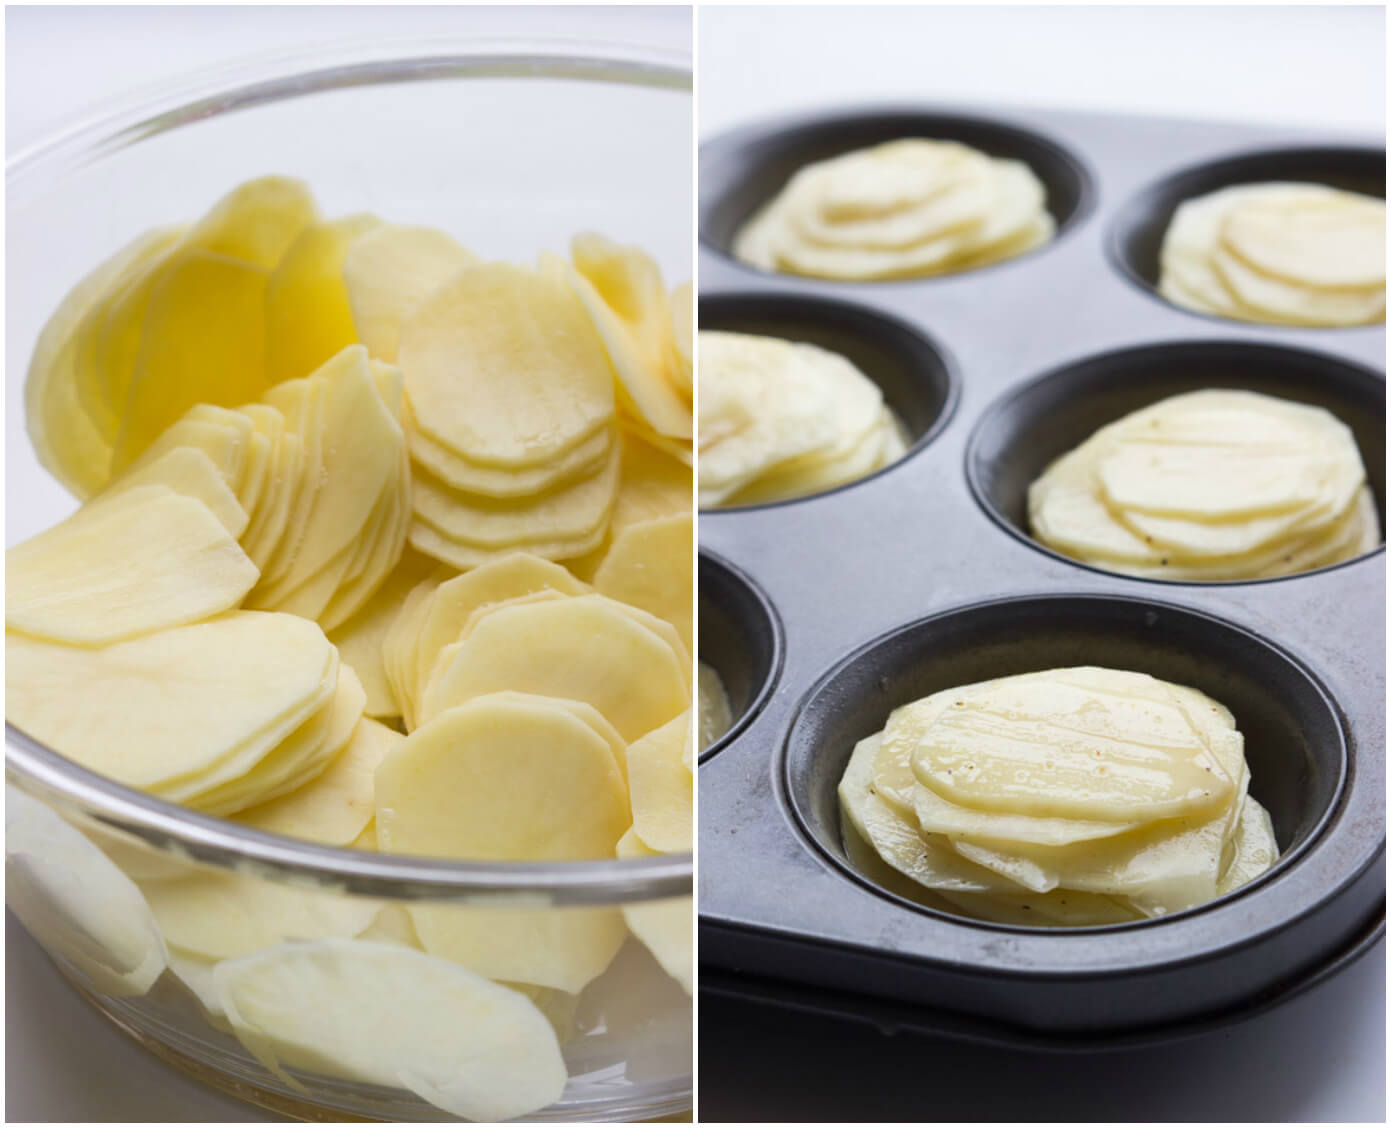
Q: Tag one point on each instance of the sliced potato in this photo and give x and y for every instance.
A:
(649, 566)
(664, 927)
(661, 787)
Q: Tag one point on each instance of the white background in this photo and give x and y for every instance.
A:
(63, 1063)
(1323, 1057)
(1298, 66)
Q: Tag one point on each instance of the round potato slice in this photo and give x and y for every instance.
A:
(649, 566)
(385, 1015)
(580, 649)
(664, 927)
(661, 787)
(503, 367)
(1312, 235)
(76, 903)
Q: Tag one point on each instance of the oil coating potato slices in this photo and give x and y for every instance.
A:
(143, 561)
(307, 315)
(648, 566)
(1210, 485)
(384, 1015)
(1279, 253)
(180, 711)
(75, 902)
(661, 787)
(1030, 836)
(780, 418)
(902, 209)
(390, 270)
(582, 649)
(508, 780)
(503, 367)
(335, 807)
(664, 927)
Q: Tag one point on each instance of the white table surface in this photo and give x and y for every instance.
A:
(1322, 1058)
(64, 1063)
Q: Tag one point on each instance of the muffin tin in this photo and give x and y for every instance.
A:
(825, 613)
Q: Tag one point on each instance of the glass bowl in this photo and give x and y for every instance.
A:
(513, 147)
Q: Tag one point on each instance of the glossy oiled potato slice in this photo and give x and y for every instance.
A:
(140, 562)
(76, 903)
(1254, 849)
(580, 649)
(648, 566)
(307, 315)
(664, 927)
(388, 271)
(170, 706)
(503, 367)
(517, 781)
(385, 1015)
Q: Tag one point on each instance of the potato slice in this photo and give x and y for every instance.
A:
(579, 649)
(219, 916)
(713, 707)
(171, 705)
(683, 330)
(1255, 848)
(68, 442)
(516, 781)
(649, 566)
(1083, 743)
(360, 640)
(223, 435)
(462, 557)
(388, 271)
(503, 367)
(384, 1015)
(202, 342)
(263, 534)
(187, 471)
(661, 787)
(308, 317)
(622, 289)
(76, 903)
(257, 221)
(664, 927)
(333, 808)
(131, 565)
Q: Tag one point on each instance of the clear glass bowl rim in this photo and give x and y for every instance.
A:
(217, 842)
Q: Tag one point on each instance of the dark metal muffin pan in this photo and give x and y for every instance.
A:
(844, 605)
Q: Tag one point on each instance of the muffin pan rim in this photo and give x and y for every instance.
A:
(765, 691)
(793, 809)
(951, 369)
(1123, 220)
(725, 145)
(857, 941)
(1010, 397)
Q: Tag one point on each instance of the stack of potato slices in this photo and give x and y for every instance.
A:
(382, 547)
(1210, 485)
(1279, 254)
(783, 419)
(1076, 796)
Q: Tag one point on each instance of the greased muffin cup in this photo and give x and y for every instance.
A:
(924, 576)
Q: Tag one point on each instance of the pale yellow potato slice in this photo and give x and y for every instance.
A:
(195, 973)
(307, 315)
(388, 271)
(461, 557)
(622, 290)
(131, 565)
(378, 553)
(381, 1014)
(679, 449)
(649, 566)
(579, 710)
(520, 482)
(451, 604)
(301, 402)
(68, 442)
(299, 758)
(1255, 849)
(507, 780)
(580, 649)
(263, 534)
(76, 903)
(392, 925)
(661, 787)
(1292, 303)
(202, 342)
(398, 649)
(174, 704)
(216, 915)
(335, 807)
(257, 221)
(1086, 743)
(664, 927)
(361, 639)
(1316, 236)
(683, 330)
(259, 451)
(187, 471)
(659, 627)
(928, 862)
(223, 435)
(713, 709)
(503, 367)
(570, 512)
